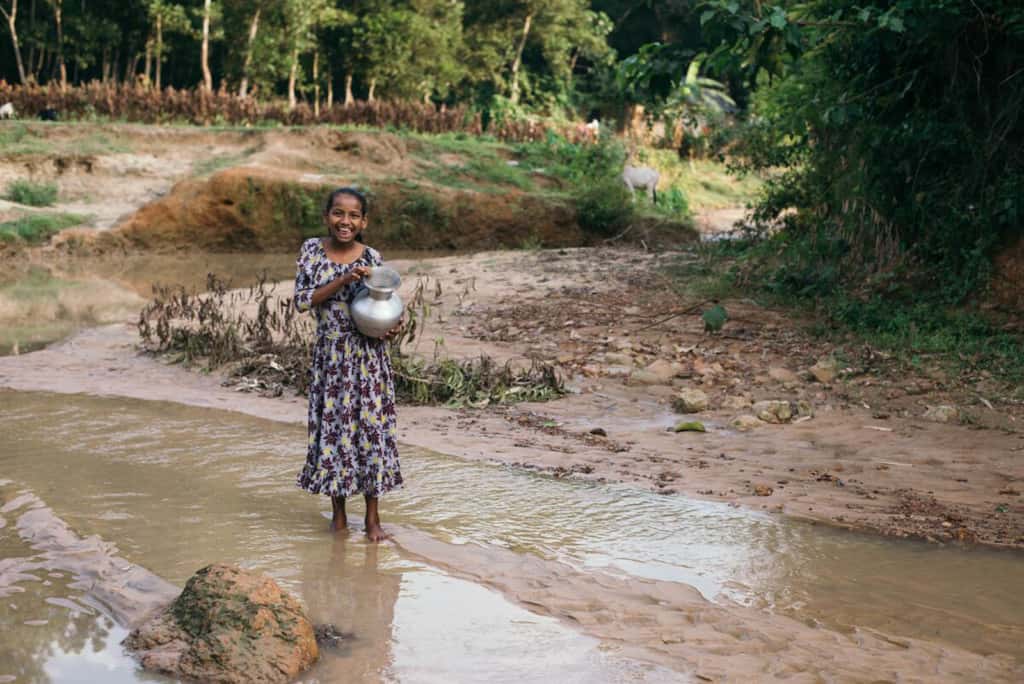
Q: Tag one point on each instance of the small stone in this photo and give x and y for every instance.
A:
(618, 359)
(804, 409)
(599, 431)
(645, 377)
(745, 422)
(689, 426)
(736, 403)
(825, 370)
(773, 411)
(666, 370)
(942, 414)
(763, 490)
(783, 375)
(689, 400)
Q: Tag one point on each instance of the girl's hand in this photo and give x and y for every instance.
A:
(396, 330)
(356, 274)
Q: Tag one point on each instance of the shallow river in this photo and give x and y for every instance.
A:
(173, 488)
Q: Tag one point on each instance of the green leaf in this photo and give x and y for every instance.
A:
(689, 426)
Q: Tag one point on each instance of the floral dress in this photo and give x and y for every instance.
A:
(352, 423)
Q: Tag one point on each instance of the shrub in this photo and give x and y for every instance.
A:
(604, 208)
(31, 193)
(36, 228)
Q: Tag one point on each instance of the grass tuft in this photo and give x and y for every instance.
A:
(37, 228)
(31, 193)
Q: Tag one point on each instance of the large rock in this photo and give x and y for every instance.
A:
(690, 400)
(228, 625)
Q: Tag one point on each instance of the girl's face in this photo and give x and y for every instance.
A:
(345, 220)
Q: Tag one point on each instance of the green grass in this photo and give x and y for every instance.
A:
(208, 167)
(18, 140)
(484, 163)
(37, 228)
(707, 184)
(31, 193)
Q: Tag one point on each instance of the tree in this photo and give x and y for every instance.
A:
(58, 15)
(205, 49)
(254, 26)
(12, 17)
(165, 16)
(303, 19)
(533, 45)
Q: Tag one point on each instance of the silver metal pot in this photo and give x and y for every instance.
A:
(377, 309)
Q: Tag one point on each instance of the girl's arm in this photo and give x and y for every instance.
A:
(325, 292)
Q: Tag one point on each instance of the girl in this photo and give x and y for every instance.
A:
(352, 428)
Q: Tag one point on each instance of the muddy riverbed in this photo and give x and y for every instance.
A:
(494, 575)
(640, 556)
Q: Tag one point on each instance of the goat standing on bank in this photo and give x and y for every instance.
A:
(7, 111)
(641, 177)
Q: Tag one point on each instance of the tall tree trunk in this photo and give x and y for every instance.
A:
(11, 18)
(514, 91)
(348, 89)
(149, 62)
(205, 52)
(159, 49)
(243, 89)
(58, 12)
(373, 86)
(316, 83)
(330, 92)
(292, 74)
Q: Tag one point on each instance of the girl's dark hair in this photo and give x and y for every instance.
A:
(363, 204)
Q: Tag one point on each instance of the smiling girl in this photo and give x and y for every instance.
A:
(352, 423)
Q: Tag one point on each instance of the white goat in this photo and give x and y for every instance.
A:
(643, 177)
(7, 111)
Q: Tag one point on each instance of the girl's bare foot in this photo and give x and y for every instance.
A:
(374, 532)
(339, 520)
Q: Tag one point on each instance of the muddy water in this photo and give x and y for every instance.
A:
(176, 488)
(43, 303)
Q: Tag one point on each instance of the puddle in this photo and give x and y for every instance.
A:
(41, 304)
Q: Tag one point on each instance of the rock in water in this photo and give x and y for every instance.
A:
(228, 625)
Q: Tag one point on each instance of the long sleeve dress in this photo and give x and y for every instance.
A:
(352, 423)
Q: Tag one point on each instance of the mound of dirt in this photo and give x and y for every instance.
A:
(255, 208)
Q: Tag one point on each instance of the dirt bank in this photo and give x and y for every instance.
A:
(176, 188)
(866, 459)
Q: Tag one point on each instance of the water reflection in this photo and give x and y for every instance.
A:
(50, 632)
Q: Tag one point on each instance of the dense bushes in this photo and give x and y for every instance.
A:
(146, 105)
(901, 128)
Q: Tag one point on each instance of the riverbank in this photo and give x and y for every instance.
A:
(599, 316)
